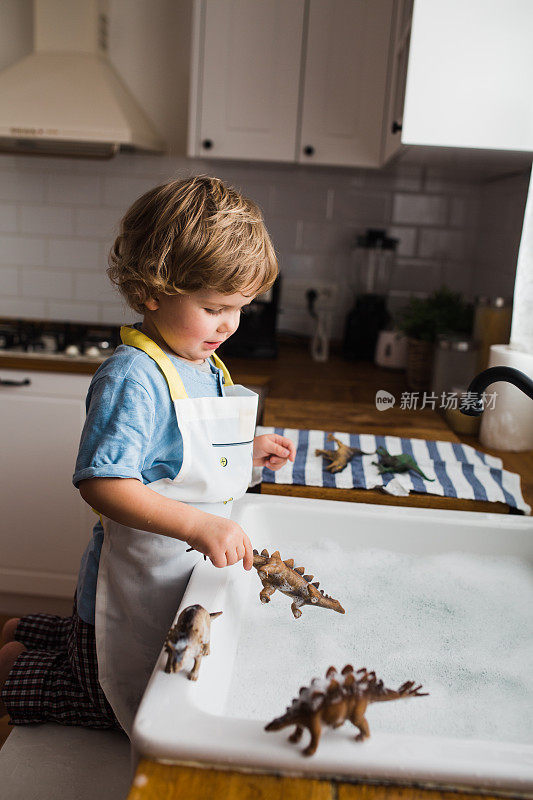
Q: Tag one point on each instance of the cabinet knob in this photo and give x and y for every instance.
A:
(396, 127)
(309, 150)
(207, 144)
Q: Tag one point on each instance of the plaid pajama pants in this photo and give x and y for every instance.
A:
(56, 679)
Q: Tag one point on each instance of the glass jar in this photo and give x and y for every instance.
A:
(492, 325)
(454, 365)
(373, 263)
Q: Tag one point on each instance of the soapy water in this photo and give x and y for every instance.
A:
(459, 623)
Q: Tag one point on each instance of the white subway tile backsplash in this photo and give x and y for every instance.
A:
(98, 222)
(8, 218)
(22, 251)
(282, 232)
(59, 217)
(403, 178)
(9, 281)
(17, 186)
(71, 188)
(290, 201)
(95, 287)
(74, 254)
(50, 220)
(118, 314)
(23, 307)
(64, 311)
(420, 276)
(459, 278)
(415, 209)
(439, 243)
(324, 237)
(361, 208)
(458, 212)
(47, 283)
(121, 192)
(297, 265)
(406, 239)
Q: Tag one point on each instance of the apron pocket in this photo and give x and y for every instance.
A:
(230, 444)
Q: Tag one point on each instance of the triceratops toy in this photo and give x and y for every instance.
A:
(189, 637)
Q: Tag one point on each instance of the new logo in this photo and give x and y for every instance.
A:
(384, 400)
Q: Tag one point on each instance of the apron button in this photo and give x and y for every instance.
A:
(224, 461)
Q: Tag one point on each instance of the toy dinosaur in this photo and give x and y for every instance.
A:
(402, 463)
(189, 637)
(290, 580)
(335, 699)
(341, 456)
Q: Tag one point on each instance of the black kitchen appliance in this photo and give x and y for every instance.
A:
(373, 263)
(256, 335)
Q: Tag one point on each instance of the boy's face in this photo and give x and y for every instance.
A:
(194, 325)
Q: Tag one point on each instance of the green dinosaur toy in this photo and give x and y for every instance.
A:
(402, 463)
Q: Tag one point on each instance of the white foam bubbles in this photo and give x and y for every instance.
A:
(460, 624)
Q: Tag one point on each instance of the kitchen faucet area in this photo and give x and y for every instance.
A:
(266, 295)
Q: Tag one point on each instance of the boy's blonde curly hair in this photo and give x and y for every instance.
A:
(190, 235)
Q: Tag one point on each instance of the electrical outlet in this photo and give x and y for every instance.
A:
(294, 293)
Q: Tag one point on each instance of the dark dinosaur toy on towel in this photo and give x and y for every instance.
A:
(402, 463)
(336, 698)
(290, 580)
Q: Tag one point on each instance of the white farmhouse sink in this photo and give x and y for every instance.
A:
(218, 721)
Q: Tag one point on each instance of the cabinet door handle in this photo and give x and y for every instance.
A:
(309, 150)
(8, 382)
(396, 127)
(207, 144)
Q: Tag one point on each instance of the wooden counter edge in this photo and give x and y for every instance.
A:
(374, 497)
(154, 781)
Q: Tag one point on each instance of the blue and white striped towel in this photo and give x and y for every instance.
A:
(458, 469)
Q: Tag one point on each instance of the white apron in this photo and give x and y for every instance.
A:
(142, 576)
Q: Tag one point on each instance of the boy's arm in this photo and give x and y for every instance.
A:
(131, 503)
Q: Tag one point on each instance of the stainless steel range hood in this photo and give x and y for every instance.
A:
(66, 98)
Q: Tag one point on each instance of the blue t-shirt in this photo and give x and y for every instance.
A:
(131, 431)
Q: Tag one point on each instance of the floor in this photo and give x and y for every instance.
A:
(5, 727)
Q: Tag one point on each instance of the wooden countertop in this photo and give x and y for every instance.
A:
(305, 394)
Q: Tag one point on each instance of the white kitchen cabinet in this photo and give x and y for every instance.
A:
(399, 55)
(290, 80)
(45, 523)
(468, 77)
(344, 83)
(245, 78)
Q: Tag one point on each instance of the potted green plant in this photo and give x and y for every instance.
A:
(422, 321)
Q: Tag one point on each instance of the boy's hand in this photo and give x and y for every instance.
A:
(222, 541)
(272, 450)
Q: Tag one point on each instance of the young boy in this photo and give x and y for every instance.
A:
(167, 446)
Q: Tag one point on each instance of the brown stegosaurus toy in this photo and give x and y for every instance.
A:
(290, 580)
(336, 698)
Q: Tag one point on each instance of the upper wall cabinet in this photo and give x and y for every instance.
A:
(246, 60)
(468, 76)
(399, 55)
(290, 80)
(344, 82)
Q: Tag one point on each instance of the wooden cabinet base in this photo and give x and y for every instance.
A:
(154, 781)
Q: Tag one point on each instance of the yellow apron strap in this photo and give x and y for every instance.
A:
(138, 339)
(222, 366)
